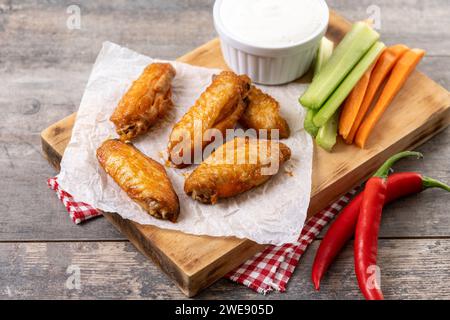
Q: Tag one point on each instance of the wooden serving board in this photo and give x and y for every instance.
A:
(419, 111)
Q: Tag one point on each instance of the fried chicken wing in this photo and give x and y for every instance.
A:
(263, 112)
(219, 107)
(147, 100)
(142, 178)
(235, 167)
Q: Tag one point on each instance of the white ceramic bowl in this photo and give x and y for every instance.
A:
(274, 65)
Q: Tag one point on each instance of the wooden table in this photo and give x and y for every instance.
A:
(44, 67)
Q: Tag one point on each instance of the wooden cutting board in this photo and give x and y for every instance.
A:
(419, 111)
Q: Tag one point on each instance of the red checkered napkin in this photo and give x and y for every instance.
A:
(78, 211)
(266, 271)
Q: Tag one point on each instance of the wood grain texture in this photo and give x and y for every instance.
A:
(411, 269)
(44, 68)
(421, 110)
(192, 262)
(413, 22)
(38, 51)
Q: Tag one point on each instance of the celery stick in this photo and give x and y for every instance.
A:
(338, 96)
(308, 123)
(323, 55)
(326, 137)
(347, 54)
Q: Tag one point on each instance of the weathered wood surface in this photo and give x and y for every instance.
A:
(194, 262)
(420, 110)
(44, 67)
(410, 268)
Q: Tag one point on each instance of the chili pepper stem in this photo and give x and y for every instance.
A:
(428, 182)
(383, 171)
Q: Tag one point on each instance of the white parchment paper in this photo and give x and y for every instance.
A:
(273, 213)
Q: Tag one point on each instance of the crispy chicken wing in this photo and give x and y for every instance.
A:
(142, 178)
(147, 100)
(263, 112)
(235, 167)
(219, 107)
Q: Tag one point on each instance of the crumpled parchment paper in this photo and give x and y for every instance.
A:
(273, 213)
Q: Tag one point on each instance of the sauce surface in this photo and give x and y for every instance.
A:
(272, 23)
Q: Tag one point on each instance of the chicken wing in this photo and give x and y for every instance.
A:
(235, 167)
(219, 107)
(147, 100)
(142, 178)
(263, 112)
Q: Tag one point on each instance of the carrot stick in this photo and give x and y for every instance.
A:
(381, 70)
(402, 69)
(353, 103)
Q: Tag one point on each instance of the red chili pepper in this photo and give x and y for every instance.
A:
(342, 229)
(368, 225)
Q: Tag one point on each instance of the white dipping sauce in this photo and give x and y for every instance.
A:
(272, 23)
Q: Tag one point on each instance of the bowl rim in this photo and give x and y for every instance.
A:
(269, 50)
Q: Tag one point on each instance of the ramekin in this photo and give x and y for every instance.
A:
(264, 65)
